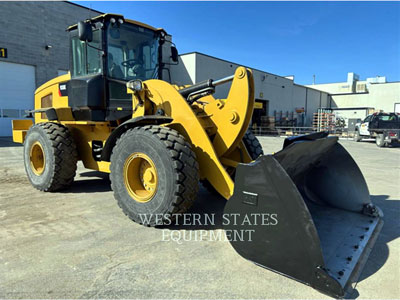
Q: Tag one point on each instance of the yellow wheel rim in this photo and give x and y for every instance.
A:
(37, 158)
(140, 177)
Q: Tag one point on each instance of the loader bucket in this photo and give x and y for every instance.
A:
(307, 214)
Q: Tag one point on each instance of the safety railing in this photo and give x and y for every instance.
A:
(282, 130)
(291, 131)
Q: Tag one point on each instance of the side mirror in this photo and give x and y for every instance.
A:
(174, 54)
(85, 32)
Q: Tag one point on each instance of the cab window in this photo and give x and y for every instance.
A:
(86, 60)
(367, 119)
(78, 57)
(94, 57)
(132, 52)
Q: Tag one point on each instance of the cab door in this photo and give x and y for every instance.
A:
(364, 126)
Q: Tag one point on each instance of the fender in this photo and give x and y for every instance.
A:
(50, 112)
(117, 132)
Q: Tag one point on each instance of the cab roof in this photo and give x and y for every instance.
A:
(108, 16)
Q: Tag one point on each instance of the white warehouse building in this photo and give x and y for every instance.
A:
(279, 96)
(282, 97)
(375, 94)
(279, 100)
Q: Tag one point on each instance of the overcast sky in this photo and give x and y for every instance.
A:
(327, 39)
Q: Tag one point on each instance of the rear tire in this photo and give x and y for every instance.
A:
(380, 140)
(252, 144)
(254, 149)
(357, 136)
(174, 173)
(50, 157)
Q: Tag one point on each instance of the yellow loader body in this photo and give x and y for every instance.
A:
(227, 119)
(158, 140)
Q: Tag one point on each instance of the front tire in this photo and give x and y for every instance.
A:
(154, 174)
(50, 157)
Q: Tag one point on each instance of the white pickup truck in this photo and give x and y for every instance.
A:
(384, 127)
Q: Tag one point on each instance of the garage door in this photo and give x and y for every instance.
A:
(17, 86)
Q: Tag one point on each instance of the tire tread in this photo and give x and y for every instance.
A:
(185, 165)
(254, 148)
(65, 155)
(252, 144)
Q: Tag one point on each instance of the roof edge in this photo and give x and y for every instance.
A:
(231, 62)
(110, 15)
(81, 6)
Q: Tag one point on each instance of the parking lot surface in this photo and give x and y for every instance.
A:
(79, 244)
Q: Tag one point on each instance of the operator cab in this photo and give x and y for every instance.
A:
(107, 52)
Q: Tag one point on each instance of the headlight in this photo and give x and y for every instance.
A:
(135, 85)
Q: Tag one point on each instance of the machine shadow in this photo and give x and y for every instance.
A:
(98, 182)
(212, 204)
(8, 142)
(390, 231)
(209, 207)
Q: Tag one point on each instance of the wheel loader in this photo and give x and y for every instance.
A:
(117, 112)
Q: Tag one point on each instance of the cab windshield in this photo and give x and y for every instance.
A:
(132, 52)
